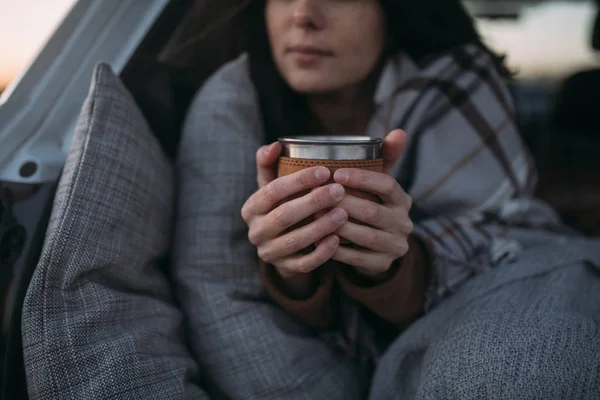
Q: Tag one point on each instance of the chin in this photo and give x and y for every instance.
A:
(313, 86)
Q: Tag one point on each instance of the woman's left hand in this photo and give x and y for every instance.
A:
(384, 238)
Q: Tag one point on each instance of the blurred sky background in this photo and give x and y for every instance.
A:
(548, 41)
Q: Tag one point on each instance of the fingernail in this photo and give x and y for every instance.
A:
(338, 216)
(341, 175)
(337, 191)
(333, 241)
(322, 174)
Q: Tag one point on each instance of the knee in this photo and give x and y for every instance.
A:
(499, 356)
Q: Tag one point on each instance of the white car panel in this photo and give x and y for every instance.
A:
(39, 110)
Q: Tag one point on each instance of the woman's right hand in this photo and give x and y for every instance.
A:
(269, 217)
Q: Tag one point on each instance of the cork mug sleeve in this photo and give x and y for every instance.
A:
(288, 166)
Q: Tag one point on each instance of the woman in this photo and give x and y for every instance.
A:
(474, 269)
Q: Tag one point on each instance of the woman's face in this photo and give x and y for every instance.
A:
(322, 46)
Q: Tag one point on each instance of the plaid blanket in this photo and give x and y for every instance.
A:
(465, 166)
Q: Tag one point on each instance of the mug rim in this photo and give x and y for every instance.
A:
(331, 140)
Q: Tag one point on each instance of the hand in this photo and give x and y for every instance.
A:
(384, 238)
(270, 214)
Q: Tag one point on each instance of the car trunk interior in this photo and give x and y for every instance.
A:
(186, 46)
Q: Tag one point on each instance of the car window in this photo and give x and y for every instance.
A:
(548, 41)
(25, 25)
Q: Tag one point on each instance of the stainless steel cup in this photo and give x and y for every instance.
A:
(340, 148)
(333, 152)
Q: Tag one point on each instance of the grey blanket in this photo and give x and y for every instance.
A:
(471, 177)
(528, 330)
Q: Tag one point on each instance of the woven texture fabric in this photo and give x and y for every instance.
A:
(99, 319)
(528, 330)
(250, 348)
(471, 177)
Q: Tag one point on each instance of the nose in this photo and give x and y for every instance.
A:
(308, 14)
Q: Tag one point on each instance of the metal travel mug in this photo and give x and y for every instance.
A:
(332, 148)
(333, 152)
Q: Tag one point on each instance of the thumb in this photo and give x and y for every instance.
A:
(393, 146)
(266, 159)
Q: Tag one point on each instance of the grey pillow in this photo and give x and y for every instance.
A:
(99, 319)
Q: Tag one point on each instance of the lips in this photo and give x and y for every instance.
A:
(308, 54)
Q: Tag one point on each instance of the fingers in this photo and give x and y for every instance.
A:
(374, 239)
(266, 159)
(367, 262)
(294, 211)
(369, 212)
(383, 185)
(393, 147)
(395, 219)
(308, 263)
(269, 196)
(301, 238)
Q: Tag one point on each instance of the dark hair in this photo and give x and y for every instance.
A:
(423, 29)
